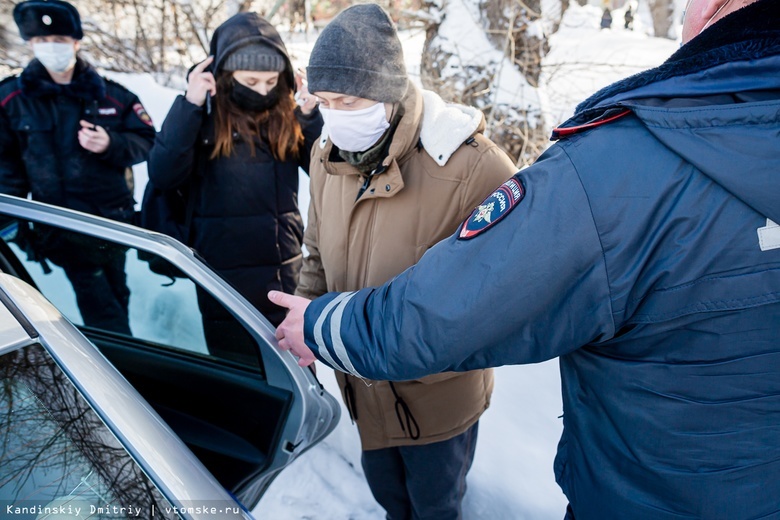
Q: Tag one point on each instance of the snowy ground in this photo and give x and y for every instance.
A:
(512, 476)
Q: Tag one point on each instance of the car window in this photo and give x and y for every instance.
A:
(56, 455)
(125, 292)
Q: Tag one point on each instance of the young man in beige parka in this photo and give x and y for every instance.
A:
(396, 171)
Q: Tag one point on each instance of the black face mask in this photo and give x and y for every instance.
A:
(248, 99)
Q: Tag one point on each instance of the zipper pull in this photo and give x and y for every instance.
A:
(364, 187)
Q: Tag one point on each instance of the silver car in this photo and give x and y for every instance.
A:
(157, 423)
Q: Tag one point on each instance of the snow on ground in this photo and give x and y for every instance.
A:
(462, 35)
(512, 476)
(584, 58)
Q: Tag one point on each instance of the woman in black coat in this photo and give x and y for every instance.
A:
(235, 142)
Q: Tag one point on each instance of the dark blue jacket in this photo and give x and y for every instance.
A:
(246, 222)
(39, 148)
(645, 254)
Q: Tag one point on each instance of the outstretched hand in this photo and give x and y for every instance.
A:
(290, 331)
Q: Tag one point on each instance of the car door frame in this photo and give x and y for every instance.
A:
(313, 413)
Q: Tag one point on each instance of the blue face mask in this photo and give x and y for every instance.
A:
(56, 57)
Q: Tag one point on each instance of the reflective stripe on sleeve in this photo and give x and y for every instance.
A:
(318, 329)
(335, 335)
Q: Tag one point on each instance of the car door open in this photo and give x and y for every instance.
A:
(196, 350)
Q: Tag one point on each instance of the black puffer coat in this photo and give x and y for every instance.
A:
(39, 148)
(246, 222)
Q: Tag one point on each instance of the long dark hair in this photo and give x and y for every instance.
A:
(278, 127)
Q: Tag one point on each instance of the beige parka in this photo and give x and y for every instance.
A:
(438, 169)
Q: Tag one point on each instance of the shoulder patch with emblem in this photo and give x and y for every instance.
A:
(140, 111)
(493, 209)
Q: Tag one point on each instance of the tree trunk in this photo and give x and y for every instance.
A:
(493, 63)
(662, 12)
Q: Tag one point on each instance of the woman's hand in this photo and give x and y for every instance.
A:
(200, 83)
(305, 99)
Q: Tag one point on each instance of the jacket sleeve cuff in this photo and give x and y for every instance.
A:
(116, 144)
(323, 334)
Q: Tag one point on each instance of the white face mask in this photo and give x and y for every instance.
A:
(56, 57)
(355, 130)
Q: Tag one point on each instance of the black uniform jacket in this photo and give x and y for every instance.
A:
(39, 148)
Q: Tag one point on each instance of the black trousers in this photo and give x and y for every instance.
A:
(425, 482)
(101, 291)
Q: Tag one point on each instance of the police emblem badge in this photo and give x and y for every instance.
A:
(493, 209)
(140, 111)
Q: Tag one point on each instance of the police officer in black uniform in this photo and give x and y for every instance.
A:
(68, 137)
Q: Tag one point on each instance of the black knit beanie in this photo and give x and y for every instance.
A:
(359, 54)
(255, 56)
(47, 18)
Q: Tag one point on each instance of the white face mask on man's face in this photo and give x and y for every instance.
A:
(56, 57)
(355, 130)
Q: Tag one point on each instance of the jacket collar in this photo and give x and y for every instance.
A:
(446, 126)
(86, 84)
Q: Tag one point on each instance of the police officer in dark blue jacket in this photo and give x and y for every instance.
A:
(68, 137)
(643, 249)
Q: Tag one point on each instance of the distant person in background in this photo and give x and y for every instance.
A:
(236, 139)
(628, 18)
(397, 170)
(69, 136)
(606, 19)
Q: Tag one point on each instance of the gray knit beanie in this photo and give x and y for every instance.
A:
(254, 56)
(359, 54)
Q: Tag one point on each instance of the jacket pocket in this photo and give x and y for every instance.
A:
(36, 136)
(30, 125)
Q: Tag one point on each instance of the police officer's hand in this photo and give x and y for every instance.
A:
(201, 83)
(93, 138)
(305, 99)
(290, 331)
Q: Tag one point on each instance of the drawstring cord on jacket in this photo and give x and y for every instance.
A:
(411, 428)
